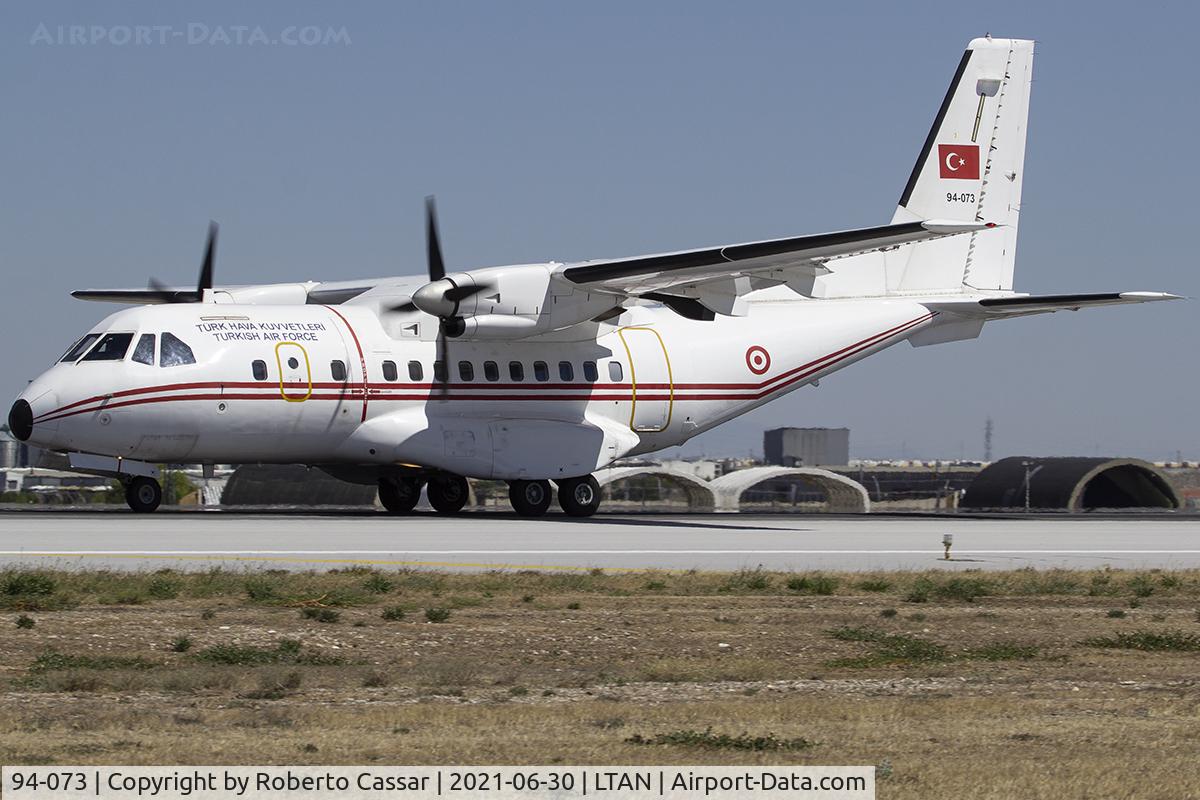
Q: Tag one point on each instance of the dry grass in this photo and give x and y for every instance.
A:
(1003, 685)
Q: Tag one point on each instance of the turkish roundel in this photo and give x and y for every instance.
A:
(959, 161)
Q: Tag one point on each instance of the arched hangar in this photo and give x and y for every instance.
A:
(699, 492)
(841, 493)
(1070, 484)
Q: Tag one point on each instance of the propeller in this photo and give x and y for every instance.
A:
(440, 298)
(164, 294)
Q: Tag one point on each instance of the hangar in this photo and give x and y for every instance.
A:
(841, 493)
(1070, 484)
(699, 492)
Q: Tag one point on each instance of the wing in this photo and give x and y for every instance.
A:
(1023, 304)
(324, 293)
(781, 259)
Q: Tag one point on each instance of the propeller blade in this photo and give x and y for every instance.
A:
(457, 294)
(165, 294)
(206, 269)
(433, 245)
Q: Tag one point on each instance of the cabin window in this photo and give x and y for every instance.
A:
(516, 371)
(439, 371)
(173, 352)
(389, 371)
(110, 348)
(144, 352)
(466, 370)
(540, 371)
(566, 371)
(491, 371)
(615, 373)
(338, 370)
(415, 371)
(259, 369)
(589, 372)
(80, 347)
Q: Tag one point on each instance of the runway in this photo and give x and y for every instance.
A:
(488, 541)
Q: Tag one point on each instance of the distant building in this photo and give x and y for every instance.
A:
(807, 447)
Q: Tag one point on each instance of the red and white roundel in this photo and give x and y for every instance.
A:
(758, 360)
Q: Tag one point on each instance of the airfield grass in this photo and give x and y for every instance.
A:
(1032, 684)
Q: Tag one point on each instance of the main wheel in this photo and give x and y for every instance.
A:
(448, 493)
(399, 495)
(579, 497)
(143, 494)
(529, 498)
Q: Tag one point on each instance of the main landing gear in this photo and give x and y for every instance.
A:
(579, 497)
(447, 493)
(143, 494)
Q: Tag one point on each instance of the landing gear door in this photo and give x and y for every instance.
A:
(295, 373)
(650, 375)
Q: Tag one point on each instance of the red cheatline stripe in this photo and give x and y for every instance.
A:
(406, 394)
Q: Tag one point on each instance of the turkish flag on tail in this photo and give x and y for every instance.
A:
(958, 161)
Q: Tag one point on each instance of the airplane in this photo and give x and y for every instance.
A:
(540, 373)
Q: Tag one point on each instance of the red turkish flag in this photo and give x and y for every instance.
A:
(958, 161)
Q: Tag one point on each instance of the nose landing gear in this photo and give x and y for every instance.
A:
(142, 494)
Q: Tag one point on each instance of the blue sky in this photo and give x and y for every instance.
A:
(563, 130)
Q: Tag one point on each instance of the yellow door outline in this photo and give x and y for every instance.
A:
(633, 379)
(307, 366)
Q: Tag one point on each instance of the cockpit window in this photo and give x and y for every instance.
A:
(174, 352)
(144, 352)
(80, 347)
(110, 348)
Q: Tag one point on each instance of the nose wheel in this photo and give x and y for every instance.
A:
(529, 498)
(579, 497)
(448, 493)
(143, 494)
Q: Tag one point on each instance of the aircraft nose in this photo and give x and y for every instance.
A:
(20, 420)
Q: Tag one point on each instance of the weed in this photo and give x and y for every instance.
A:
(1141, 585)
(573, 606)
(1116, 613)
(1003, 651)
(874, 585)
(379, 584)
(813, 584)
(1149, 641)
(287, 651)
(321, 614)
(888, 613)
(518, 691)
(162, 587)
(919, 592)
(437, 614)
(392, 613)
(708, 740)
(261, 590)
(918, 617)
(208, 613)
(528, 598)
(53, 661)
(181, 644)
(655, 586)
(747, 580)
(127, 597)
(27, 584)
(25, 621)
(964, 589)
(888, 648)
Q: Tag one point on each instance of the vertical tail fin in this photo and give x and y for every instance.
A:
(970, 168)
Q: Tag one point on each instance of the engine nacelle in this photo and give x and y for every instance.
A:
(524, 300)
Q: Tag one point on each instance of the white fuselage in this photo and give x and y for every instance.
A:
(555, 406)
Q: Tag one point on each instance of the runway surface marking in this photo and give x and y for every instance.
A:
(186, 553)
